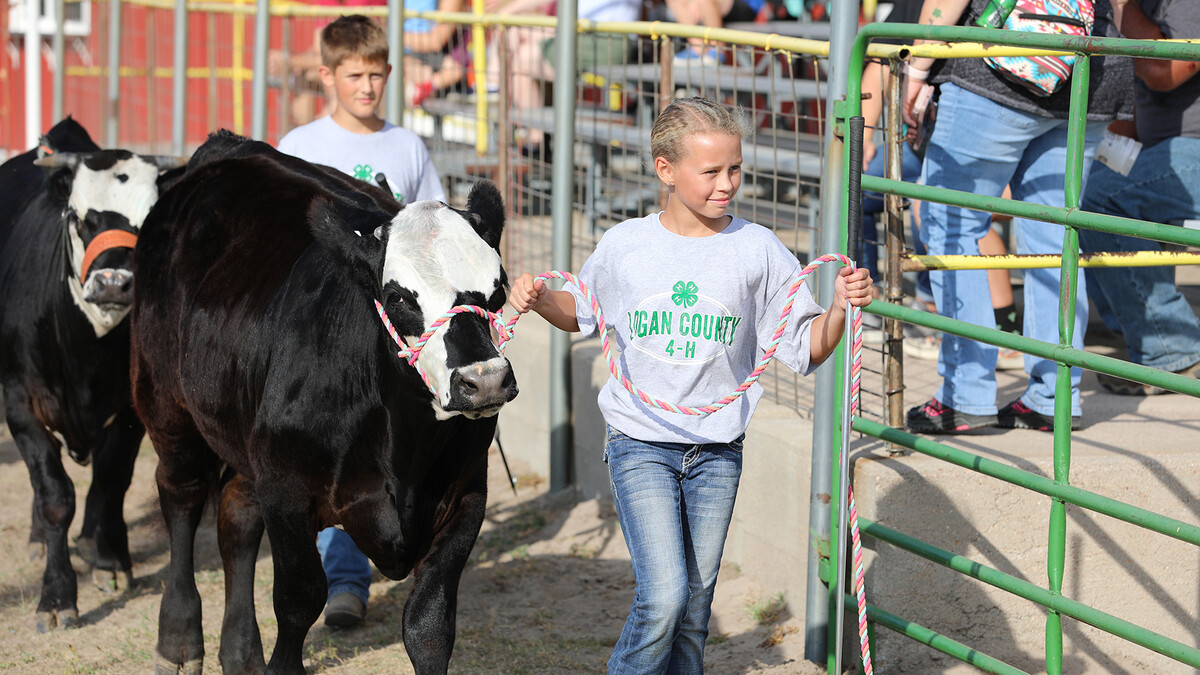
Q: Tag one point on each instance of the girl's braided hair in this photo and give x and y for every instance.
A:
(688, 116)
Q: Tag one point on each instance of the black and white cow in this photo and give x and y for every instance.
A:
(260, 365)
(68, 221)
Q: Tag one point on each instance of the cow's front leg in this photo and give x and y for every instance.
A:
(185, 467)
(429, 614)
(53, 509)
(112, 472)
(299, 578)
(239, 532)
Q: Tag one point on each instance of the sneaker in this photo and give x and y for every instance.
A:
(690, 56)
(345, 610)
(923, 348)
(1017, 415)
(935, 418)
(1010, 359)
(1122, 387)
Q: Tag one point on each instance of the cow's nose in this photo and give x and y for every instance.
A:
(110, 286)
(475, 388)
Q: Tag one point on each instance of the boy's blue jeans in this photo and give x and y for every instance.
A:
(1159, 325)
(979, 146)
(347, 569)
(674, 502)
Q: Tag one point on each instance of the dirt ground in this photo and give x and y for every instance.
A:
(547, 591)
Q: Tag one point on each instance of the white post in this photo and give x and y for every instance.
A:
(33, 75)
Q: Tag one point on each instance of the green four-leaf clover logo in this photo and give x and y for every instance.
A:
(684, 293)
(363, 172)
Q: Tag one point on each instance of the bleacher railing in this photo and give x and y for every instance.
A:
(1058, 488)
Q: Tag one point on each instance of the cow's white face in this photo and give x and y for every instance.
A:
(434, 261)
(112, 190)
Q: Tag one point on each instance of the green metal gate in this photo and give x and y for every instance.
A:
(1058, 488)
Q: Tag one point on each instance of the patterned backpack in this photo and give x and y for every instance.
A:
(1044, 75)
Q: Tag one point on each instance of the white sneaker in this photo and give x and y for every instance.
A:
(923, 348)
(1010, 359)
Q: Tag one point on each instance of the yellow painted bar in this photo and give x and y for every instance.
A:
(916, 263)
(239, 48)
(479, 56)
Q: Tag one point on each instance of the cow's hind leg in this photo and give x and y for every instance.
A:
(431, 609)
(300, 584)
(185, 468)
(53, 509)
(112, 472)
(239, 532)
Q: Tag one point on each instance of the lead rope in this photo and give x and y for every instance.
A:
(505, 330)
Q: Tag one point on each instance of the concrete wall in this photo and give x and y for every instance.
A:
(1142, 577)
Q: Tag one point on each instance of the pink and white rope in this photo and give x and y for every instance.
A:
(505, 330)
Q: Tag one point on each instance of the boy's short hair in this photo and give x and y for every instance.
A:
(353, 36)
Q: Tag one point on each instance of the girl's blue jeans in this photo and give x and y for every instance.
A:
(674, 502)
(347, 570)
(979, 146)
(1159, 325)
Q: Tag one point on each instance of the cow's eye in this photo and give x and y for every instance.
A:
(395, 301)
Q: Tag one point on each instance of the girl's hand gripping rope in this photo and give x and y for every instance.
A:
(853, 286)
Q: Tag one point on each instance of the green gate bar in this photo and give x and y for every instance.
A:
(1058, 489)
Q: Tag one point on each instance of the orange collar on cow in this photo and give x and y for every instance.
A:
(101, 243)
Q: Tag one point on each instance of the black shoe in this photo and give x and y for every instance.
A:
(935, 418)
(344, 610)
(1017, 415)
(1122, 387)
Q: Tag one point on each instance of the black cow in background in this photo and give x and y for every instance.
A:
(261, 368)
(67, 222)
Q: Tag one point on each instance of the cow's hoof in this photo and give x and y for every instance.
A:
(36, 550)
(68, 618)
(63, 618)
(111, 581)
(164, 667)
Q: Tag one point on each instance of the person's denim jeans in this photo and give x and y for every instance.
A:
(346, 568)
(674, 502)
(1159, 325)
(979, 146)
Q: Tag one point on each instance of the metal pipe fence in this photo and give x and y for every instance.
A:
(1058, 488)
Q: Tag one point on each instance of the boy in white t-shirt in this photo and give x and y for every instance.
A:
(354, 140)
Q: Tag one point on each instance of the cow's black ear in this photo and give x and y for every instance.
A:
(59, 182)
(485, 201)
(361, 258)
(60, 170)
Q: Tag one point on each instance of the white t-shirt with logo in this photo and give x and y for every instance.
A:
(692, 317)
(396, 152)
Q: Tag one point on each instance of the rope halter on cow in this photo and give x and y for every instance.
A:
(411, 354)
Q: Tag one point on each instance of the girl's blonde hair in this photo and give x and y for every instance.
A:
(688, 116)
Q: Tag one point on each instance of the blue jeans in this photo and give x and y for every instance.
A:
(674, 502)
(980, 146)
(1159, 325)
(347, 569)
